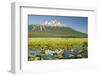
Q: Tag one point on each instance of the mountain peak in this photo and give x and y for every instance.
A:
(53, 23)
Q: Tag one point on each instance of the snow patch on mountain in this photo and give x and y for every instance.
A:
(53, 23)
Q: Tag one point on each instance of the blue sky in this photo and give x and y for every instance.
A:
(77, 23)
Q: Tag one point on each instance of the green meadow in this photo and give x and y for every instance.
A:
(67, 43)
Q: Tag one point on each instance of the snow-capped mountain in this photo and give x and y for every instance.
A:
(54, 28)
